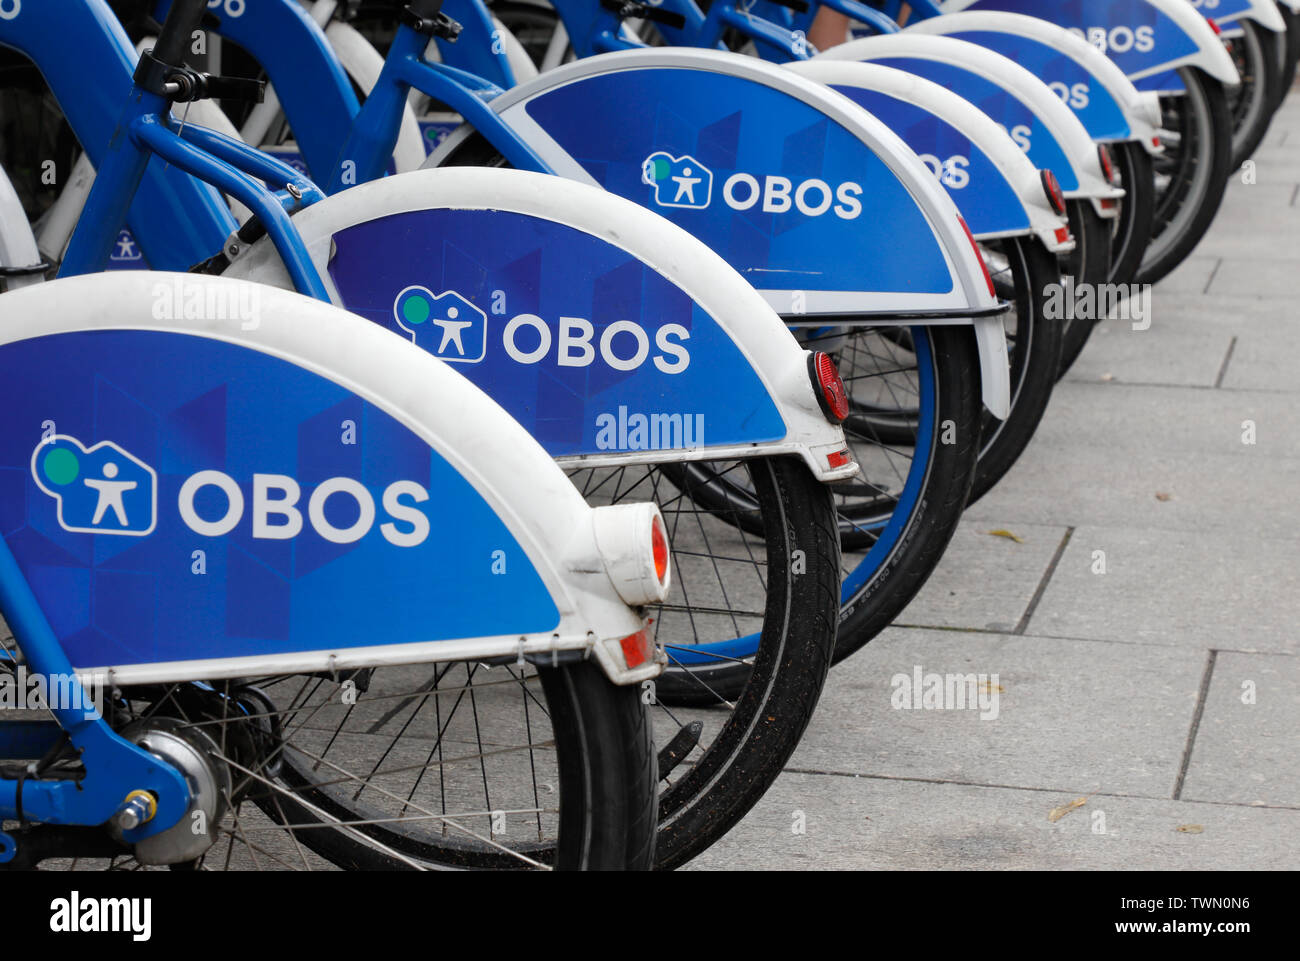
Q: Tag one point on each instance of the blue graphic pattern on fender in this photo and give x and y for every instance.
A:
(574, 327)
(174, 406)
(867, 232)
(977, 187)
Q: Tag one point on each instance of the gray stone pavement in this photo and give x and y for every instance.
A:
(1143, 632)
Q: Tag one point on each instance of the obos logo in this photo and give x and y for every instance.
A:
(450, 326)
(685, 182)
(446, 324)
(99, 490)
(104, 489)
(678, 181)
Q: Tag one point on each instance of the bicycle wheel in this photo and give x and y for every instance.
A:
(454, 765)
(1250, 105)
(1131, 230)
(914, 428)
(1191, 175)
(1089, 265)
(748, 632)
(1287, 46)
(1025, 274)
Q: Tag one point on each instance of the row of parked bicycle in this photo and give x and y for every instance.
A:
(510, 412)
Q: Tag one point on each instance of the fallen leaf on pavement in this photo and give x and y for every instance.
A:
(1055, 814)
(1190, 828)
(1007, 534)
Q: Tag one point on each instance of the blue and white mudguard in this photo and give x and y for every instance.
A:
(1148, 39)
(610, 335)
(818, 205)
(998, 191)
(1228, 14)
(207, 478)
(1086, 80)
(1044, 127)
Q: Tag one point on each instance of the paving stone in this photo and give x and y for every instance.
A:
(1195, 590)
(887, 825)
(985, 581)
(1249, 736)
(1071, 715)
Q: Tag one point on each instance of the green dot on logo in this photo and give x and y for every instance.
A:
(662, 168)
(415, 310)
(60, 466)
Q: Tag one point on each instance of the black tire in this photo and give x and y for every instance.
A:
(1251, 104)
(1132, 228)
(1288, 53)
(1035, 354)
(608, 776)
(1191, 177)
(1089, 265)
(778, 693)
(870, 607)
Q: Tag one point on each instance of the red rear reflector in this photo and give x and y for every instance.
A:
(988, 278)
(1052, 187)
(1109, 204)
(659, 544)
(1062, 235)
(1108, 167)
(837, 459)
(828, 386)
(1155, 141)
(637, 648)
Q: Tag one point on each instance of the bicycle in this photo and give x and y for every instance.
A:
(386, 700)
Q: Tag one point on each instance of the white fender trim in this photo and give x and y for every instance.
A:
(1009, 160)
(1059, 119)
(1141, 110)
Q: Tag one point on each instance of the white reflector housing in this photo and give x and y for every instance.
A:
(625, 539)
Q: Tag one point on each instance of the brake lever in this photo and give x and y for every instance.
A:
(631, 9)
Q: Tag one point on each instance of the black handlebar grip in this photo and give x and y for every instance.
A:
(182, 19)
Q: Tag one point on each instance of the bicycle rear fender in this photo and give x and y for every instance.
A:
(998, 191)
(818, 205)
(611, 335)
(1086, 80)
(1148, 39)
(1228, 15)
(1026, 107)
(17, 245)
(288, 489)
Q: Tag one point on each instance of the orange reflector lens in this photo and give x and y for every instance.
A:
(637, 648)
(659, 544)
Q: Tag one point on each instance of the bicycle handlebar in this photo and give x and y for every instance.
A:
(182, 19)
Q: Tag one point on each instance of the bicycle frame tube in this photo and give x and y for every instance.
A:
(204, 154)
(177, 220)
(307, 77)
(374, 130)
(114, 766)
